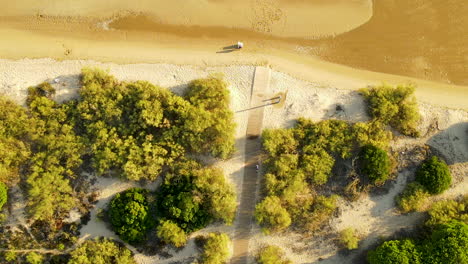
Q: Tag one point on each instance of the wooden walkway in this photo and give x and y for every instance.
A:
(246, 208)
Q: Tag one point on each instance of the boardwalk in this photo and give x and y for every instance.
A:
(252, 149)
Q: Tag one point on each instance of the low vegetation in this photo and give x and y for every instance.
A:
(413, 198)
(301, 159)
(349, 239)
(101, 251)
(272, 255)
(445, 239)
(132, 130)
(170, 233)
(216, 249)
(3, 195)
(394, 106)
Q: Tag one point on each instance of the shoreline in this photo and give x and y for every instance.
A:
(315, 71)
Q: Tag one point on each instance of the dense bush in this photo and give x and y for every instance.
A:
(395, 252)
(138, 129)
(443, 212)
(413, 198)
(57, 154)
(303, 157)
(216, 249)
(434, 175)
(272, 255)
(34, 258)
(349, 239)
(170, 233)
(272, 215)
(3, 195)
(128, 212)
(192, 196)
(375, 163)
(210, 97)
(395, 106)
(14, 128)
(101, 251)
(448, 244)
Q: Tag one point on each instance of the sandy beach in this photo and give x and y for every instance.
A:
(316, 100)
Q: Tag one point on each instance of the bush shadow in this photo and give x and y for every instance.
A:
(451, 143)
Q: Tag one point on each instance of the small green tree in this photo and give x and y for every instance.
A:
(3, 195)
(34, 258)
(349, 239)
(170, 233)
(270, 214)
(128, 214)
(413, 198)
(272, 255)
(101, 251)
(434, 175)
(216, 249)
(375, 163)
(395, 252)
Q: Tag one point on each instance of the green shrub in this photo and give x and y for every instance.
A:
(272, 255)
(413, 198)
(11, 256)
(211, 96)
(448, 244)
(34, 258)
(434, 175)
(192, 196)
(14, 128)
(101, 251)
(349, 239)
(317, 167)
(445, 211)
(271, 215)
(372, 133)
(170, 233)
(128, 214)
(279, 141)
(395, 106)
(375, 163)
(216, 249)
(321, 211)
(42, 90)
(3, 195)
(395, 252)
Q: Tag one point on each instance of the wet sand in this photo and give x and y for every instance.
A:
(427, 41)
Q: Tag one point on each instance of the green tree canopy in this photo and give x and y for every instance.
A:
(434, 175)
(128, 213)
(101, 251)
(448, 244)
(192, 196)
(375, 163)
(395, 252)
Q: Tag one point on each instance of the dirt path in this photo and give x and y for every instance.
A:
(244, 219)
